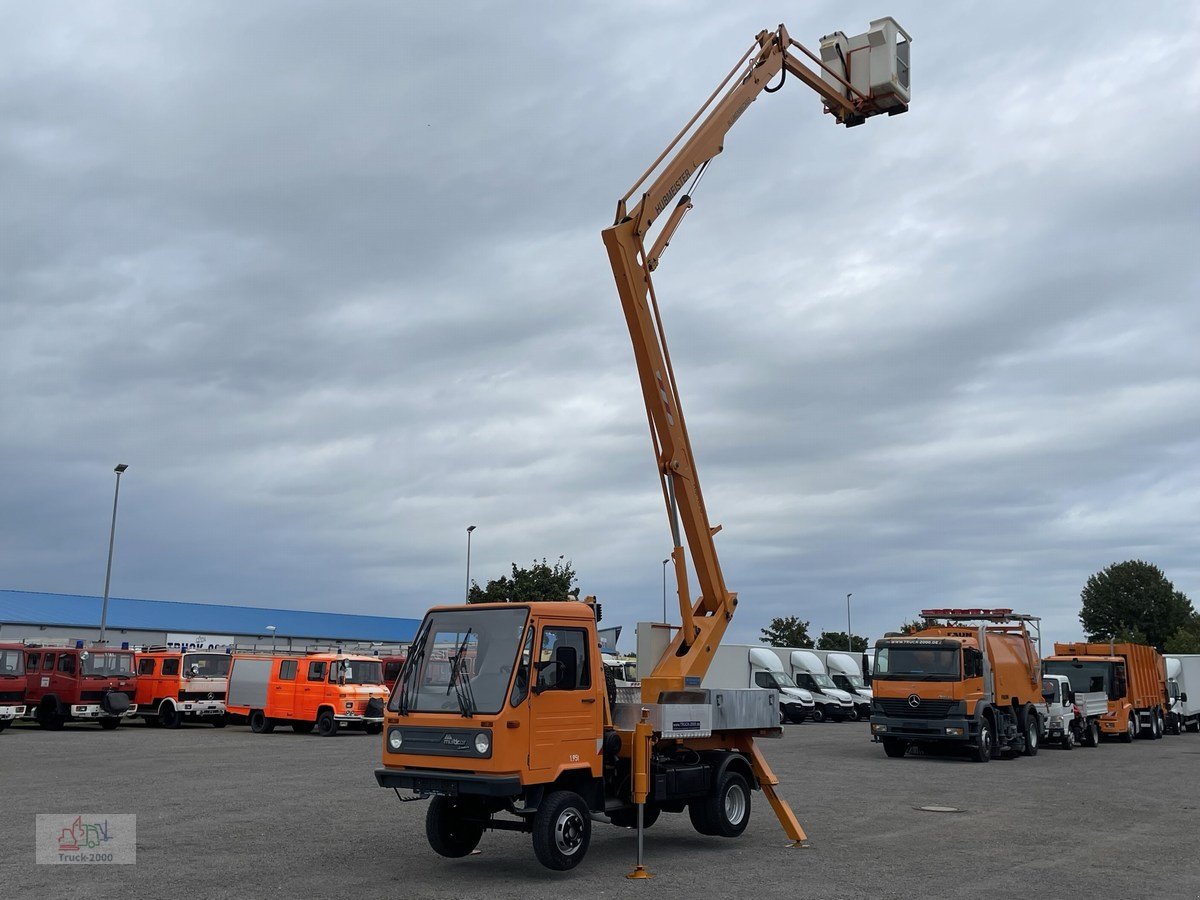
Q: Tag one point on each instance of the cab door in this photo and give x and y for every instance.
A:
(565, 709)
(311, 691)
(281, 696)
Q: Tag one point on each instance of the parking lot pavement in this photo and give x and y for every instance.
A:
(227, 813)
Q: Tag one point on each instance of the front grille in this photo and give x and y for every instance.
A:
(6, 696)
(85, 696)
(201, 695)
(900, 708)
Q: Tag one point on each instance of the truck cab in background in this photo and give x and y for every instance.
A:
(849, 673)
(89, 683)
(12, 683)
(750, 666)
(174, 686)
(808, 671)
(1132, 676)
(1071, 717)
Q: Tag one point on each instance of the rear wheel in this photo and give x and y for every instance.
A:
(219, 721)
(1091, 735)
(894, 747)
(562, 830)
(108, 724)
(327, 725)
(447, 829)
(725, 812)
(1160, 727)
(259, 723)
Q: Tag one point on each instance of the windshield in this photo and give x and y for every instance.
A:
(108, 664)
(1050, 689)
(12, 663)
(917, 662)
(849, 682)
(210, 665)
(783, 680)
(357, 671)
(1085, 677)
(483, 643)
(822, 680)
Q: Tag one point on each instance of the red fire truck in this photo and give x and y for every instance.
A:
(85, 683)
(12, 683)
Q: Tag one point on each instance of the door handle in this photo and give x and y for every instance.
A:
(588, 700)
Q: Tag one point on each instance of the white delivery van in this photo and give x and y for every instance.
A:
(746, 665)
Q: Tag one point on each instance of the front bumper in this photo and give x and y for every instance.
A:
(201, 707)
(953, 729)
(358, 717)
(93, 711)
(449, 783)
(11, 712)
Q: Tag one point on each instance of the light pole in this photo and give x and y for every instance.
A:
(665, 561)
(112, 536)
(849, 634)
(467, 592)
(271, 628)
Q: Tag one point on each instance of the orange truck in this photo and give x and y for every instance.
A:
(969, 678)
(326, 690)
(175, 686)
(1133, 676)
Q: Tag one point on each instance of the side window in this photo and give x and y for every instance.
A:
(146, 666)
(564, 663)
(66, 663)
(171, 666)
(31, 661)
(316, 671)
(287, 670)
(764, 680)
(48, 663)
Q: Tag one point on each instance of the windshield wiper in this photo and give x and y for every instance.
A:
(416, 652)
(462, 686)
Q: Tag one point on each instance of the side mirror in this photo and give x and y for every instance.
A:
(1183, 697)
(194, 669)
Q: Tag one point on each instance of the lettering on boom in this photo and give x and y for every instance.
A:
(672, 191)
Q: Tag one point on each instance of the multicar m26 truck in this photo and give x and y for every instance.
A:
(523, 732)
(1133, 676)
(970, 678)
(749, 666)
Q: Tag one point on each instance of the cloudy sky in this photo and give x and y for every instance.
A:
(329, 278)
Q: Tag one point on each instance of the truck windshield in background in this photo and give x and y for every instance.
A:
(357, 671)
(912, 661)
(107, 665)
(852, 683)
(12, 663)
(480, 645)
(777, 680)
(210, 665)
(1085, 677)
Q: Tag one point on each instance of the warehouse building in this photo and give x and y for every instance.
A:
(35, 616)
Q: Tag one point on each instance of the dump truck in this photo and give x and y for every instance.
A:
(1071, 717)
(759, 668)
(177, 686)
(1132, 676)
(523, 733)
(12, 683)
(970, 678)
(1183, 675)
(79, 682)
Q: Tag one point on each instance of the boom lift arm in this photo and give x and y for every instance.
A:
(704, 621)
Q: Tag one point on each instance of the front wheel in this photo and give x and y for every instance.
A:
(852, 715)
(219, 721)
(894, 747)
(562, 830)
(1068, 738)
(1130, 730)
(448, 830)
(818, 714)
(1032, 732)
(327, 725)
(168, 716)
(373, 728)
(983, 747)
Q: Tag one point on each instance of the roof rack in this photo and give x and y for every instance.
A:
(978, 615)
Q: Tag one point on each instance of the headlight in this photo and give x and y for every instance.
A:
(483, 743)
(395, 740)
(1056, 720)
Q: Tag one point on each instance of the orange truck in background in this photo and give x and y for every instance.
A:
(970, 677)
(326, 690)
(1133, 676)
(174, 686)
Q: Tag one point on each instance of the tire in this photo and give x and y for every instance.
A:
(1068, 738)
(727, 807)
(1160, 728)
(259, 723)
(627, 818)
(1031, 730)
(986, 743)
(818, 714)
(169, 716)
(219, 721)
(448, 833)
(1130, 731)
(109, 724)
(327, 725)
(894, 747)
(852, 715)
(50, 718)
(1193, 727)
(4, 723)
(1091, 737)
(562, 830)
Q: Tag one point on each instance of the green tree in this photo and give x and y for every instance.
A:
(541, 581)
(787, 631)
(913, 626)
(1186, 638)
(836, 640)
(1133, 600)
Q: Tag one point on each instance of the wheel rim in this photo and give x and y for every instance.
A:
(735, 805)
(568, 832)
(1031, 734)
(985, 739)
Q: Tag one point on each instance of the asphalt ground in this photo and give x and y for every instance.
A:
(227, 813)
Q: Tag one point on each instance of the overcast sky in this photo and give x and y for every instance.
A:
(329, 278)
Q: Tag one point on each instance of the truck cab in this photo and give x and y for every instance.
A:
(175, 686)
(80, 683)
(1132, 676)
(1071, 717)
(832, 703)
(12, 683)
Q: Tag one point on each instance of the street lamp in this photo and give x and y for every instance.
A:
(849, 634)
(467, 592)
(271, 628)
(665, 561)
(112, 535)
